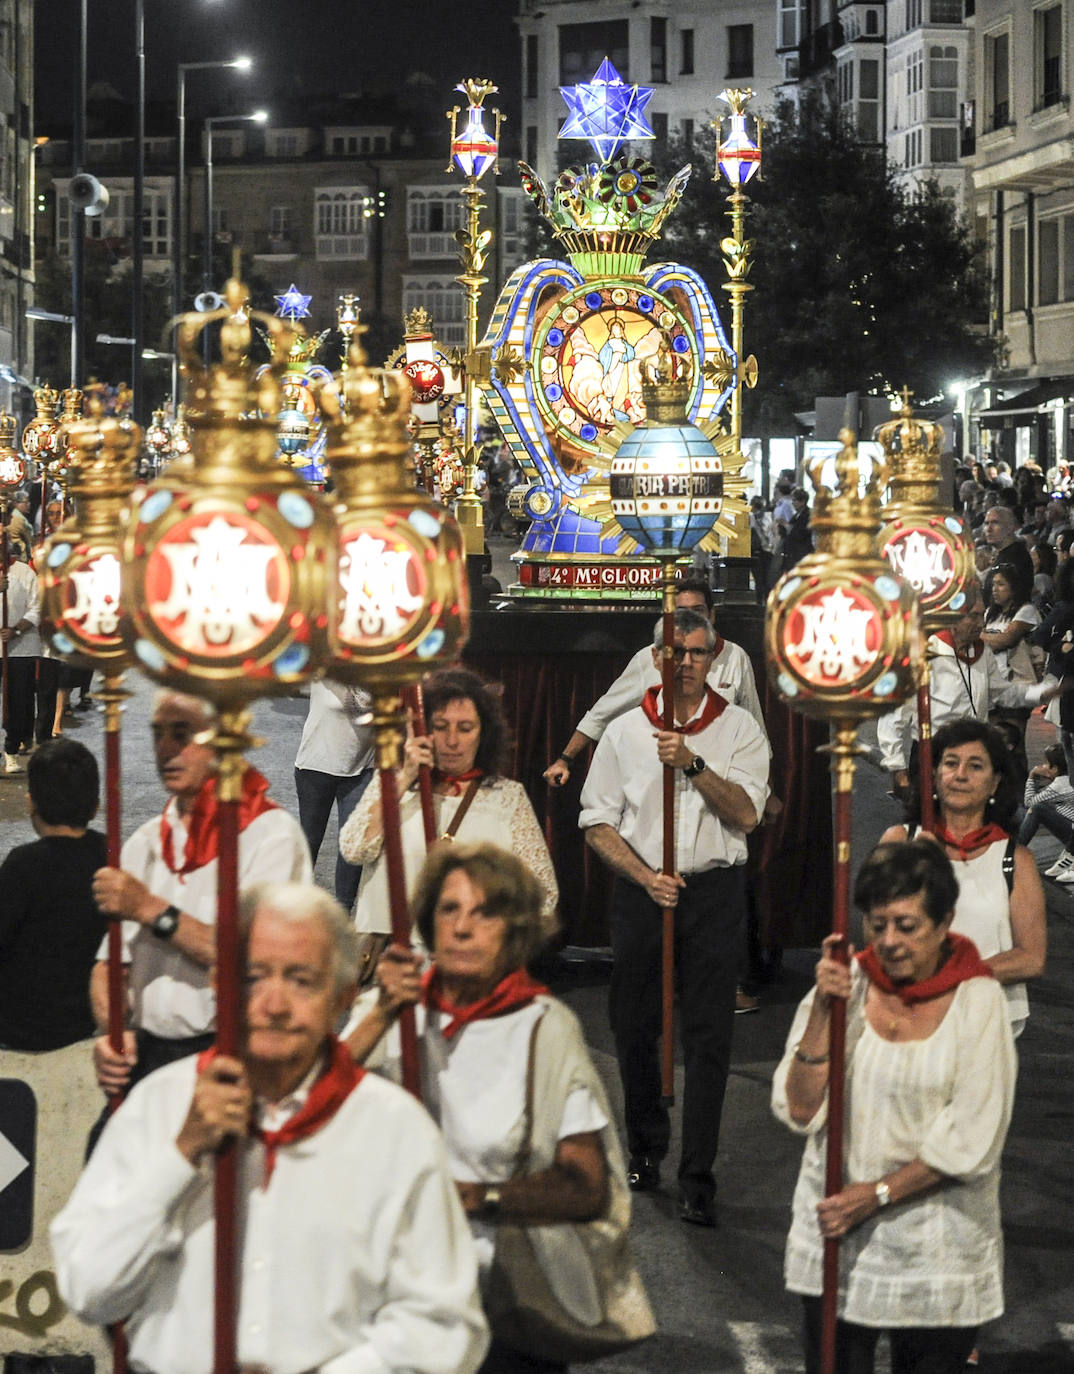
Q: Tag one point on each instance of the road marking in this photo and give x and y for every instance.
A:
(12, 1163)
(1066, 1331)
(751, 1340)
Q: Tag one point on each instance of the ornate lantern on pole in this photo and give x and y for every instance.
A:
(842, 643)
(80, 578)
(39, 437)
(12, 473)
(738, 158)
(400, 601)
(70, 413)
(227, 568)
(928, 546)
(669, 484)
(474, 149)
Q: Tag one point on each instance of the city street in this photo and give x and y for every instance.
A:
(718, 1294)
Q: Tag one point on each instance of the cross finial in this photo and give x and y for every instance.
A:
(906, 393)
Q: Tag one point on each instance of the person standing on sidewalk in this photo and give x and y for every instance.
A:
(23, 650)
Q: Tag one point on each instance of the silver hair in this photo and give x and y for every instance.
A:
(198, 705)
(298, 904)
(686, 622)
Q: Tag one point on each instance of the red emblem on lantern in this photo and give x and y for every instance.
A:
(426, 378)
(217, 583)
(383, 584)
(833, 636)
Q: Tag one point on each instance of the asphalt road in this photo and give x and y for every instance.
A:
(718, 1294)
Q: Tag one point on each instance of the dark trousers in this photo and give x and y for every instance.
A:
(1047, 814)
(708, 939)
(48, 682)
(317, 792)
(914, 1350)
(19, 707)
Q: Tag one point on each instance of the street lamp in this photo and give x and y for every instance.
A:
(258, 117)
(34, 312)
(239, 64)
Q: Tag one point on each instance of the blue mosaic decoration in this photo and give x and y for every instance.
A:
(606, 111)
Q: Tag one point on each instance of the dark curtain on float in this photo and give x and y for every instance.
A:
(790, 859)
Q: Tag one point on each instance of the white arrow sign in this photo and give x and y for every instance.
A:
(12, 1163)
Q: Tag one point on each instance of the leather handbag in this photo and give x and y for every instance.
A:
(597, 1307)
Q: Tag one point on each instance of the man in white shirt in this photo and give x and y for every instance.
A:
(721, 760)
(964, 681)
(355, 1255)
(23, 650)
(730, 674)
(165, 892)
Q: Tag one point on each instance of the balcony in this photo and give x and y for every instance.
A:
(436, 245)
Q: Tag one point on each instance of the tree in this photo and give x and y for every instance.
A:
(859, 284)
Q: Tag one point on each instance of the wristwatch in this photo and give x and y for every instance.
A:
(883, 1194)
(490, 1203)
(694, 767)
(165, 924)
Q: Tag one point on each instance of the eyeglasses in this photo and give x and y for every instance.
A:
(696, 655)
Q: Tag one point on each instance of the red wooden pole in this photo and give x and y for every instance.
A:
(924, 756)
(400, 915)
(667, 1034)
(5, 561)
(415, 702)
(228, 1010)
(844, 747)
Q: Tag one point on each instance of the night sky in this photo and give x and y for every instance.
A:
(330, 47)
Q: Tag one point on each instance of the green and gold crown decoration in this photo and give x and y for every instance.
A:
(606, 215)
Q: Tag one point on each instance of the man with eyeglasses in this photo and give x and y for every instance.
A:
(165, 893)
(720, 756)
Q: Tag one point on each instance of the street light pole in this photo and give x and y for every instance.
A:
(78, 217)
(242, 64)
(138, 230)
(258, 117)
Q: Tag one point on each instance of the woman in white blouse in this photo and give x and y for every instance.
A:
(481, 1017)
(472, 800)
(930, 1084)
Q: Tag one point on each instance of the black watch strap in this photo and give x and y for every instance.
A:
(165, 924)
(694, 767)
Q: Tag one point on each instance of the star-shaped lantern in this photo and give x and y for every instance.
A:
(293, 305)
(606, 111)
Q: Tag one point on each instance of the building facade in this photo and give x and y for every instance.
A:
(686, 52)
(1023, 180)
(17, 200)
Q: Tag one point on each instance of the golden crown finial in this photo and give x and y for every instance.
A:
(845, 520)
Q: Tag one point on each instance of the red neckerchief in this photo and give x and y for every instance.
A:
(714, 707)
(962, 964)
(203, 832)
(453, 781)
(517, 990)
(325, 1098)
(974, 839)
(970, 654)
(718, 647)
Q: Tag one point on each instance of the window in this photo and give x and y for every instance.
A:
(913, 14)
(283, 143)
(872, 23)
(1016, 261)
(443, 299)
(220, 219)
(844, 78)
(531, 66)
(943, 82)
(943, 145)
(1068, 257)
(660, 127)
(583, 47)
(686, 129)
(945, 11)
(686, 55)
(338, 144)
(531, 144)
(658, 50)
(788, 23)
(280, 222)
(869, 101)
(156, 223)
(433, 213)
(1048, 262)
(997, 76)
(339, 221)
(739, 50)
(1048, 62)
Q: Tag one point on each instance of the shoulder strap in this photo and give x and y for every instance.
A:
(525, 1150)
(1008, 864)
(462, 808)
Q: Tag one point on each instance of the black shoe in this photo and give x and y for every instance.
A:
(699, 1211)
(643, 1173)
(85, 704)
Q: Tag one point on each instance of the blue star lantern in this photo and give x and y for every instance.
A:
(606, 111)
(293, 305)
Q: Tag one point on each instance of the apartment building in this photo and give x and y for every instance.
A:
(16, 199)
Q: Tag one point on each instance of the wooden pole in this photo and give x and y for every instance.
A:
(667, 665)
(5, 562)
(388, 725)
(414, 699)
(844, 747)
(113, 695)
(229, 740)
